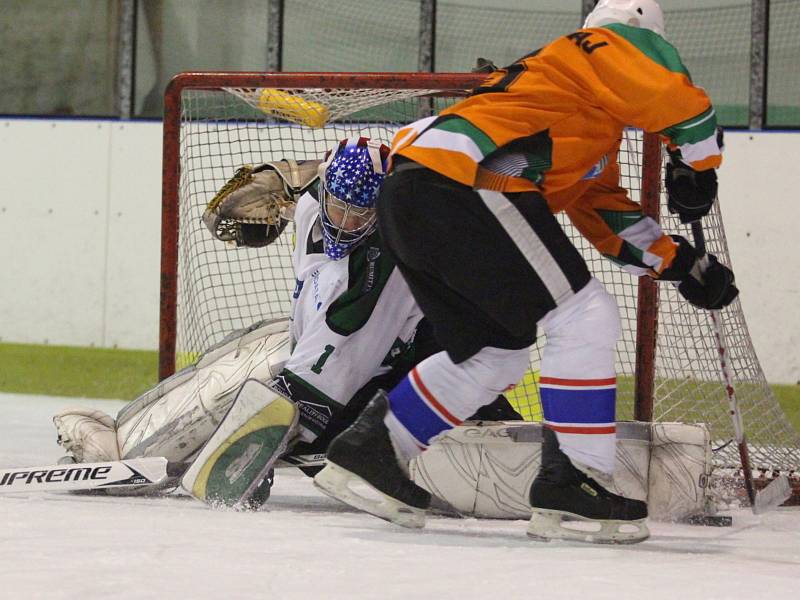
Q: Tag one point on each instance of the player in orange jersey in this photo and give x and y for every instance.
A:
(467, 210)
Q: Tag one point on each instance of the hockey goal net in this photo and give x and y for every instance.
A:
(667, 364)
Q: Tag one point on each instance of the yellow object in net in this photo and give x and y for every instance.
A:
(291, 107)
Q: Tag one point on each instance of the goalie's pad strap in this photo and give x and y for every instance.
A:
(177, 417)
(240, 453)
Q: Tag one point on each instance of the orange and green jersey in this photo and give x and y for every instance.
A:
(552, 122)
(615, 225)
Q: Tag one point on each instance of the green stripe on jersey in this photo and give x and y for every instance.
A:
(369, 268)
(635, 252)
(651, 45)
(694, 130)
(456, 124)
(619, 220)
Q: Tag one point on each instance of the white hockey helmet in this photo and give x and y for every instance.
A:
(638, 13)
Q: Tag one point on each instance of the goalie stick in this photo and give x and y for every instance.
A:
(779, 489)
(84, 476)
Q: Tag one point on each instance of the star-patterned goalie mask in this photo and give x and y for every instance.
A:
(350, 178)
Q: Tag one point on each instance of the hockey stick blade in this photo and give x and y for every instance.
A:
(84, 476)
(771, 497)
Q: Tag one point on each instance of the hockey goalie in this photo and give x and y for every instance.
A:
(276, 393)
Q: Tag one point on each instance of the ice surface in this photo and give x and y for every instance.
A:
(305, 545)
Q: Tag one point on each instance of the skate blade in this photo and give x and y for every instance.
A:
(547, 525)
(335, 482)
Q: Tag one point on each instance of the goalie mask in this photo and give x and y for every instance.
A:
(350, 178)
(638, 13)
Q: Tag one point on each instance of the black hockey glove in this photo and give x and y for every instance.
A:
(702, 279)
(690, 193)
(710, 284)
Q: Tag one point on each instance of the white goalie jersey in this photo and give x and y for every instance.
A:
(351, 320)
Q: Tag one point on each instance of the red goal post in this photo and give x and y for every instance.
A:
(215, 122)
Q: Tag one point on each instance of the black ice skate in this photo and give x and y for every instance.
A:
(363, 453)
(568, 504)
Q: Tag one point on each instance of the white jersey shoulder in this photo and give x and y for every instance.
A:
(348, 315)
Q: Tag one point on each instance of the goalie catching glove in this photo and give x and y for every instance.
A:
(253, 208)
(701, 278)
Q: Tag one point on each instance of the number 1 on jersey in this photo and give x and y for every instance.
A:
(317, 366)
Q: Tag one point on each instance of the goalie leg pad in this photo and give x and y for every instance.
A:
(486, 470)
(242, 451)
(680, 472)
(177, 417)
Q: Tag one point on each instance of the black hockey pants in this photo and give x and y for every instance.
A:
(483, 266)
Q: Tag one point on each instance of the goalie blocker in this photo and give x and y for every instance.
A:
(233, 467)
